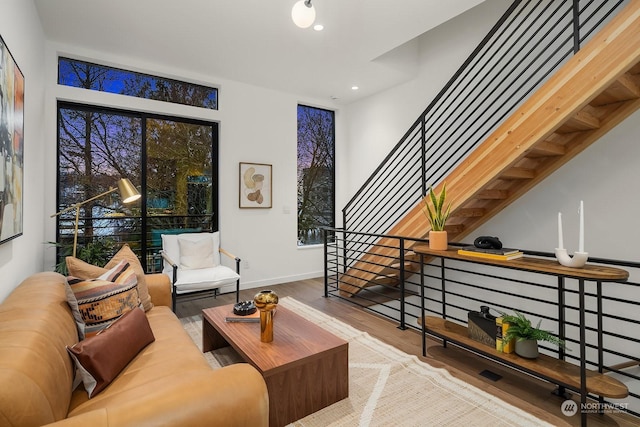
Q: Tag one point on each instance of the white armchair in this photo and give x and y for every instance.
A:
(193, 263)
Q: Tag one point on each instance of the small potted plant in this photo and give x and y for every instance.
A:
(437, 218)
(527, 336)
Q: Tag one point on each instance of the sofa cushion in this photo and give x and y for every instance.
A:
(205, 278)
(101, 358)
(171, 356)
(83, 270)
(102, 301)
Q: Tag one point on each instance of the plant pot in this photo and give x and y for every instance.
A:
(527, 349)
(438, 240)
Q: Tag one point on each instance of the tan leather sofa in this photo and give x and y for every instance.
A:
(168, 383)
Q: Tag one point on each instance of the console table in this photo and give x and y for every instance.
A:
(555, 370)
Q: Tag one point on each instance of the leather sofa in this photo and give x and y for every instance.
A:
(168, 383)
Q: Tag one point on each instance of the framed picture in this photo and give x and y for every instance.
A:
(11, 145)
(255, 185)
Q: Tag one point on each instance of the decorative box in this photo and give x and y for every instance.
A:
(482, 326)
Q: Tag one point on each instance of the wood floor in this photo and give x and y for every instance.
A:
(518, 389)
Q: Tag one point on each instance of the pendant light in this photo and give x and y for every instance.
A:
(303, 13)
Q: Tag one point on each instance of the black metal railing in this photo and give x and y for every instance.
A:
(108, 234)
(530, 41)
(451, 288)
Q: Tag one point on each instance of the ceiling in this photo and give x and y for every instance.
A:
(372, 44)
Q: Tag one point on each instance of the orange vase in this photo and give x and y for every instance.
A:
(438, 240)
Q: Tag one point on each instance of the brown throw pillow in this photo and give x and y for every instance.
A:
(101, 358)
(83, 270)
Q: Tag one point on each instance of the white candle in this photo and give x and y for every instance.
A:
(581, 241)
(560, 243)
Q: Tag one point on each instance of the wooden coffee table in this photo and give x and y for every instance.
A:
(305, 367)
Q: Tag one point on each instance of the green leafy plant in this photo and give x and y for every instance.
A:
(97, 252)
(438, 215)
(521, 329)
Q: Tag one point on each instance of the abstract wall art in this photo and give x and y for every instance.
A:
(11, 145)
(255, 185)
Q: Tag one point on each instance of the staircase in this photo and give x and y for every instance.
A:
(588, 96)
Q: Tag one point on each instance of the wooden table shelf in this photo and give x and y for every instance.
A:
(550, 266)
(552, 369)
(556, 370)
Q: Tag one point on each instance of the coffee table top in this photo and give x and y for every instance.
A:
(295, 339)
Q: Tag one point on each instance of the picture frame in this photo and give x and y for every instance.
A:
(11, 146)
(255, 186)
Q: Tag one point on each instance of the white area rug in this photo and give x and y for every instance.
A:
(388, 387)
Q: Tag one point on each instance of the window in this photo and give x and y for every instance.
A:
(82, 74)
(172, 161)
(316, 173)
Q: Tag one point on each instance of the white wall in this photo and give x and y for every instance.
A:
(256, 125)
(376, 124)
(605, 175)
(21, 31)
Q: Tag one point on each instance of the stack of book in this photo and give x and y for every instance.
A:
(250, 318)
(503, 254)
(501, 331)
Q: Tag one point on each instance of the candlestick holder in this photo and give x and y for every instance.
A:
(578, 260)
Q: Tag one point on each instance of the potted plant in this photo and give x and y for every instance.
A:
(97, 252)
(437, 218)
(526, 335)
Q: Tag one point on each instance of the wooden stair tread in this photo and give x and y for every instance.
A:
(623, 89)
(389, 279)
(546, 149)
(553, 369)
(468, 213)
(515, 173)
(580, 121)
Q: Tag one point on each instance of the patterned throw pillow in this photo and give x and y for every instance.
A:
(103, 300)
(83, 270)
(75, 310)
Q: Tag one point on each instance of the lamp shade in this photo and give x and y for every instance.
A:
(128, 192)
(303, 13)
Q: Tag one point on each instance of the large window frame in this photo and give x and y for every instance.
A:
(144, 246)
(316, 199)
(104, 78)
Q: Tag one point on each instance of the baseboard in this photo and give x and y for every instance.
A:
(269, 282)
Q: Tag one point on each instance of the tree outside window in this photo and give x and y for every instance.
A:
(316, 173)
(172, 161)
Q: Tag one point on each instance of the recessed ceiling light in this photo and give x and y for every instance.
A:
(318, 27)
(354, 88)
